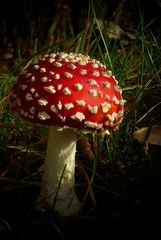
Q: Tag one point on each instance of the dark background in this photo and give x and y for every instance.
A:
(19, 18)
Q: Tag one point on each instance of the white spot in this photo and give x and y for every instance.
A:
(68, 75)
(63, 55)
(42, 70)
(59, 105)
(71, 66)
(115, 80)
(36, 66)
(81, 103)
(57, 64)
(23, 87)
(36, 94)
(118, 89)
(59, 86)
(66, 91)
(114, 124)
(33, 79)
(52, 73)
(52, 55)
(62, 118)
(27, 75)
(51, 60)
(78, 116)
(68, 106)
(78, 86)
(92, 82)
(108, 97)
(120, 114)
(50, 89)
(122, 102)
(92, 124)
(93, 92)
(95, 73)
(57, 76)
(107, 84)
(107, 132)
(32, 110)
(105, 107)
(116, 101)
(32, 90)
(107, 123)
(81, 62)
(107, 73)
(44, 79)
(66, 60)
(53, 108)
(94, 65)
(42, 102)
(43, 116)
(83, 72)
(112, 116)
(93, 109)
(29, 97)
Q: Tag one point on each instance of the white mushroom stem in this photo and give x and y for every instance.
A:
(58, 181)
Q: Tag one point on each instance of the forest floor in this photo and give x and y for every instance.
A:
(124, 201)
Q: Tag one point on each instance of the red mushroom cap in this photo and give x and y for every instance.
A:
(68, 90)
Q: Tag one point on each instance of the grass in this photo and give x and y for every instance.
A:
(121, 180)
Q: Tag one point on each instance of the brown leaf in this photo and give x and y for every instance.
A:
(84, 148)
(154, 136)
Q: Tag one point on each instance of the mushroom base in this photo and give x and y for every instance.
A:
(58, 181)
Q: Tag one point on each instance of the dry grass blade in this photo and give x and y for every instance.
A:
(148, 112)
(89, 188)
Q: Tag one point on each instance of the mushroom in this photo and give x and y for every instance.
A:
(66, 92)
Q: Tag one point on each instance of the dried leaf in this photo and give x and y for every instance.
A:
(114, 31)
(84, 148)
(154, 136)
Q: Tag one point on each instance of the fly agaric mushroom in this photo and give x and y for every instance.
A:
(66, 92)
